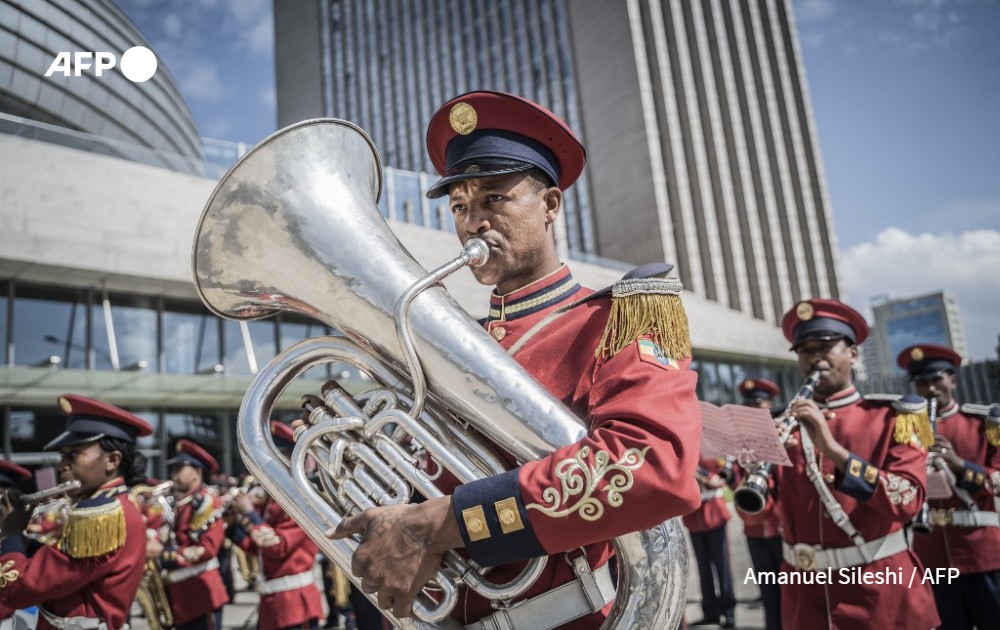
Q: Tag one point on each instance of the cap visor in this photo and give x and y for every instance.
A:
(440, 187)
(71, 438)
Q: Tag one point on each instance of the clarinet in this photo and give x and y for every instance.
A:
(751, 496)
(922, 522)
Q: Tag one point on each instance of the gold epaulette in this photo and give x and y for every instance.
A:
(647, 306)
(912, 422)
(992, 419)
(94, 528)
(204, 515)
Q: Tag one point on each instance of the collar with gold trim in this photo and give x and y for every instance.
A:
(844, 397)
(540, 294)
(111, 488)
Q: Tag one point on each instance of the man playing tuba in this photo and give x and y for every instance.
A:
(619, 358)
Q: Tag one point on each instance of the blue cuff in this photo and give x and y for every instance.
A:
(493, 521)
(255, 518)
(972, 478)
(858, 479)
(11, 544)
(236, 533)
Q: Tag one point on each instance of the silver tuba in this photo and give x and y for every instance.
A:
(294, 226)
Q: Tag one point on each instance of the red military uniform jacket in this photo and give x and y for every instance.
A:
(968, 549)
(93, 570)
(194, 588)
(634, 469)
(713, 511)
(881, 489)
(285, 551)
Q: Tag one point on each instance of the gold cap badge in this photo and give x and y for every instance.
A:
(463, 118)
(917, 354)
(805, 311)
(748, 384)
(64, 405)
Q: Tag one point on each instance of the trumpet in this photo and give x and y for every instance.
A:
(751, 496)
(50, 512)
(923, 521)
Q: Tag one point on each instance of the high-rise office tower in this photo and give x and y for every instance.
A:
(701, 146)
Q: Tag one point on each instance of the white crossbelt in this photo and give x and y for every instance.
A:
(816, 558)
(964, 518)
(179, 575)
(285, 583)
(75, 623)
(589, 593)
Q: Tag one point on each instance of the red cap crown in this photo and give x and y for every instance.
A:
(186, 450)
(821, 318)
(758, 385)
(928, 358)
(11, 473)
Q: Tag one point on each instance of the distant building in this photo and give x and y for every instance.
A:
(902, 322)
(701, 145)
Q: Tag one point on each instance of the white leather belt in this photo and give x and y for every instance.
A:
(815, 558)
(179, 575)
(589, 593)
(74, 623)
(964, 518)
(285, 583)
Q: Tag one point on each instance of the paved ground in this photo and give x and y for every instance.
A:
(749, 615)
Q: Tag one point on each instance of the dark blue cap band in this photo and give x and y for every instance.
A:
(95, 425)
(7, 481)
(924, 370)
(187, 458)
(822, 328)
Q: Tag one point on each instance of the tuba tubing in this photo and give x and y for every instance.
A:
(294, 226)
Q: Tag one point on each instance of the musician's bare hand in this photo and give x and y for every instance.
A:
(401, 549)
(943, 447)
(808, 413)
(154, 549)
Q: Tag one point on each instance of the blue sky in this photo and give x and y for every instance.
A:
(905, 93)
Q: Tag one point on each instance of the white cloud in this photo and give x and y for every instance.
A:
(173, 26)
(901, 264)
(812, 39)
(268, 97)
(813, 10)
(201, 82)
(931, 24)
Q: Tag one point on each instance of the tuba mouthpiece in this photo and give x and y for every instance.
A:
(476, 252)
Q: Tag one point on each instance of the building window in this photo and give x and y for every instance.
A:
(190, 340)
(133, 329)
(50, 325)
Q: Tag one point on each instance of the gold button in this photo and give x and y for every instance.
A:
(828, 478)
(507, 517)
(499, 333)
(475, 525)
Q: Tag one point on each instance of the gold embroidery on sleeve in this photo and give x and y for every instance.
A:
(579, 481)
(7, 574)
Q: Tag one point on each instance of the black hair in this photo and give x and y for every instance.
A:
(540, 178)
(133, 464)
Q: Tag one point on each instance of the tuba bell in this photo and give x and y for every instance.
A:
(295, 227)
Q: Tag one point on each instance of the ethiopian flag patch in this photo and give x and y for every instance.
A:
(650, 352)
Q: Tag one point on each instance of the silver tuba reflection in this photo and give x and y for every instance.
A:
(295, 227)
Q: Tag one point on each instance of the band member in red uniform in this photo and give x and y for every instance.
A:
(11, 475)
(288, 594)
(619, 359)
(707, 527)
(190, 557)
(89, 574)
(857, 477)
(764, 532)
(965, 532)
